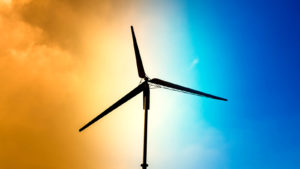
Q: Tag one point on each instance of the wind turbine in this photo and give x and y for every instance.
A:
(144, 87)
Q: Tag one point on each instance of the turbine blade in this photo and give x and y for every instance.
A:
(184, 89)
(124, 99)
(139, 62)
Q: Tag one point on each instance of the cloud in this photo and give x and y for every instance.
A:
(43, 82)
(36, 84)
(194, 63)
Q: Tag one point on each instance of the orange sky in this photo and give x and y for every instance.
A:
(48, 70)
(62, 61)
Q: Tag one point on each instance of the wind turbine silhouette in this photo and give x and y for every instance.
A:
(144, 87)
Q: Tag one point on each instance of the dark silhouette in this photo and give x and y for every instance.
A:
(144, 87)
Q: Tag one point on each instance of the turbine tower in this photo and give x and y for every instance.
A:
(144, 87)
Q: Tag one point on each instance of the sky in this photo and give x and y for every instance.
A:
(62, 62)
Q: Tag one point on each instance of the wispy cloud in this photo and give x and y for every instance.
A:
(194, 63)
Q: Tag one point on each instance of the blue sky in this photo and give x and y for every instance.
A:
(249, 52)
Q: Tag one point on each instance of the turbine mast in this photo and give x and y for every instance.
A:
(146, 99)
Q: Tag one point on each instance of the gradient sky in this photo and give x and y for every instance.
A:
(64, 61)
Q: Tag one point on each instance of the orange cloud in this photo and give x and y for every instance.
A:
(44, 85)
